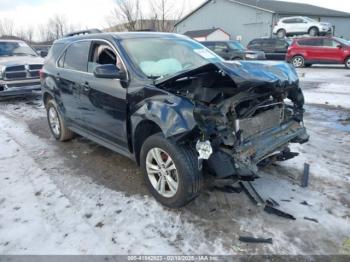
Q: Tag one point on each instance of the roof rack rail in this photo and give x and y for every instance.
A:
(83, 32)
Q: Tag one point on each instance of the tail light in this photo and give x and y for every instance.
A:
(41, 74)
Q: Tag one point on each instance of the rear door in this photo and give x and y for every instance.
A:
(72, 70)
(269, 47)
(281, 48)
(104, 100)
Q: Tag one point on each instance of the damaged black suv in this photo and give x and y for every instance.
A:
(174, 107)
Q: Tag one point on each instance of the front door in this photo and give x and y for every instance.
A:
(104, 100)
(332, 51)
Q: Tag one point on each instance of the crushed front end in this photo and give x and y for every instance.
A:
(247, 114)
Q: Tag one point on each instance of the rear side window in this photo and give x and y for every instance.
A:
(76, 56)
(289, 21)
(281, 44)
(310, 42)
(255, 43)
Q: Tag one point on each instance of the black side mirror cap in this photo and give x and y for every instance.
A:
(109, 71)
(43, 54)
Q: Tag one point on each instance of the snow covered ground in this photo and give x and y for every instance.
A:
(80, 198)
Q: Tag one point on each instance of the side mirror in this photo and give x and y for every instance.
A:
(43, 53)
(109, 72)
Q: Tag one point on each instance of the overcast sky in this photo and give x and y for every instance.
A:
(94, 13)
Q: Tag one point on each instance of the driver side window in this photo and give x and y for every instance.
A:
(103, 54)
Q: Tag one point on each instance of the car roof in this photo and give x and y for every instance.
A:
(120, 35)
(219, 41)
(269, 38)
(292, 17)
(312, 38)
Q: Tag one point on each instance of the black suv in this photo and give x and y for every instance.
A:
(173, 106)
(274, 49)
(233, 50)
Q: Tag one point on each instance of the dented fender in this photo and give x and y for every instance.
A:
(173, 115)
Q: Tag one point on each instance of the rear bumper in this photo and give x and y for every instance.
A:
(20, 88)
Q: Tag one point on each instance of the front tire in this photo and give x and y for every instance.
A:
(56, 123)
(170, 171)
(298, 61)
(281, 33)
(347, 63)
(313, 31)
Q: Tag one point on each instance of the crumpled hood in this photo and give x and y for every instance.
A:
(247, 74)
(250, 73)
(20, 60)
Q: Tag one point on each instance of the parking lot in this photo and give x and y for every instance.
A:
(80, 198)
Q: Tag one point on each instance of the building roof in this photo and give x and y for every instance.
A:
(291, 8)
(279, 7)
(201, 33)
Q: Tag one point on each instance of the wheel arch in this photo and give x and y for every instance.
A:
(171, 115)
(346, 58)
(47, 97)
(311, 27)
(143, 130)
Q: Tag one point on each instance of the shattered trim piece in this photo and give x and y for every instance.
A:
(271, 210)
(246, 239)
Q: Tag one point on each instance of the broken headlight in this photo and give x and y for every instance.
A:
(204, 149)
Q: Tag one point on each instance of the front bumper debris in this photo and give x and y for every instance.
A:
(243, 160)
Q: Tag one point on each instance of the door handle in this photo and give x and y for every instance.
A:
(86, 86)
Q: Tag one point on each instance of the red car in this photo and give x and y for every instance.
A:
(304, 52)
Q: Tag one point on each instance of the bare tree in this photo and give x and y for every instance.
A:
(128, 13)
(58, 26)
(55, 28)
(29, 35)
(165, 13)
(7, 27)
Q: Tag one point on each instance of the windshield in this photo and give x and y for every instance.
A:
(160, 57)
(16, 49)
(342, 41)
(236, 45)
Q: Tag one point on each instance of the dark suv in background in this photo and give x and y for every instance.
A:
(274, 49)
(233, 50)
(174, 107)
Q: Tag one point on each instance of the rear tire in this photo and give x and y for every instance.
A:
(298, 61)
(170, 171)
(56, 122)
(347, 63)
(281, 33)
(313, 31)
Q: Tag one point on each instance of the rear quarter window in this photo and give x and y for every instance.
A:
(54, 53)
